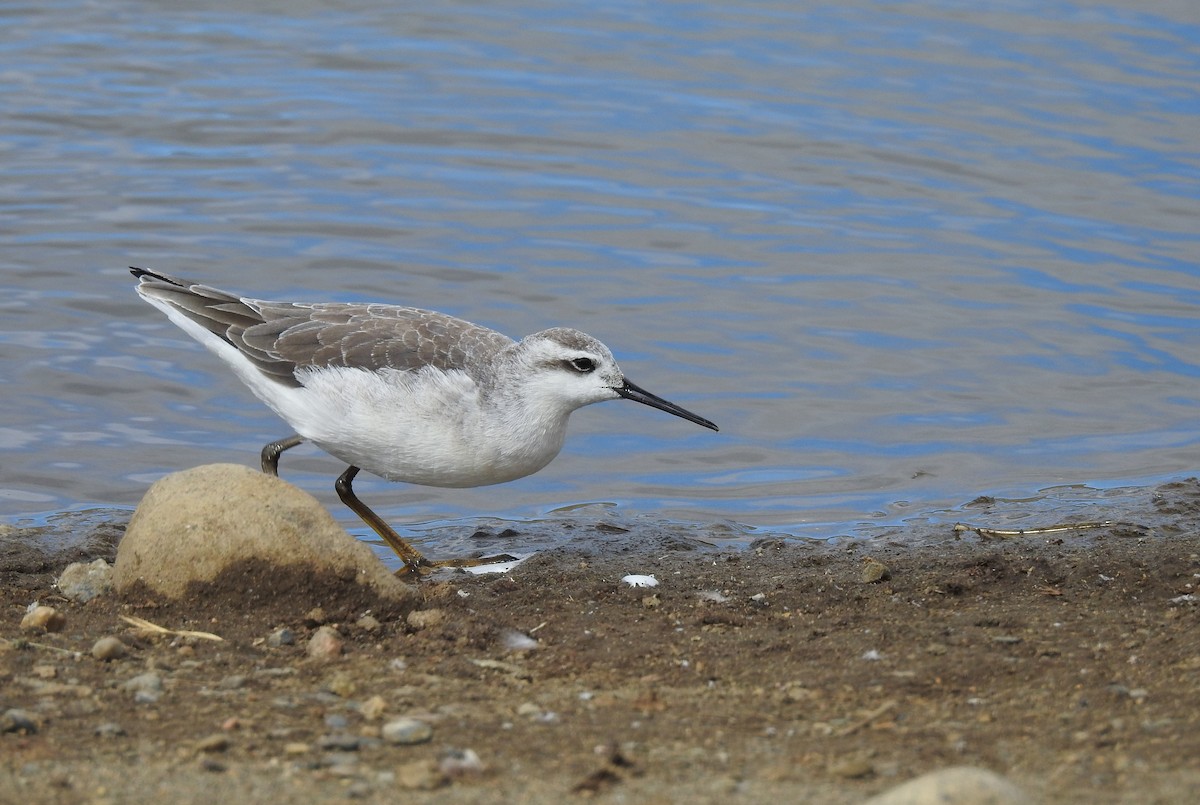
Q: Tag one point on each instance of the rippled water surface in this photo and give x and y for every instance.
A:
(905, 254)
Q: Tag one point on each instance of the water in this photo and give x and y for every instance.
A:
(905, 254)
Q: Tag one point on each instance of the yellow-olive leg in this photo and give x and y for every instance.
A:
(270, 453)
(414, 562)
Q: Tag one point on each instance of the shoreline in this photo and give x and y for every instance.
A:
(1066, 663)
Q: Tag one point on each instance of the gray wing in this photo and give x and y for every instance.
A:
(283, 337)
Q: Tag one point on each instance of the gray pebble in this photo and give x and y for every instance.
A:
(405, 731)
(109, 729)
(336, 721)
(339, 742)
(82, 582)
(281, 637)
(232, 682)
(16, 720)
(146, 681)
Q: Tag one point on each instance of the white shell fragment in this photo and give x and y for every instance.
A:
(634, 580)
(496, 567)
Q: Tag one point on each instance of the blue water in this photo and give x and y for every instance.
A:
(904, 254)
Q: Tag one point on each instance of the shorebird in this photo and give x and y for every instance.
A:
(407, 394)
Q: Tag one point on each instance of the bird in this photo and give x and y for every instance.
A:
(407, 394)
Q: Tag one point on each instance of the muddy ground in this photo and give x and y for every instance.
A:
(1067, 661)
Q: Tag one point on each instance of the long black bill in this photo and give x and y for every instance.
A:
(638, 394)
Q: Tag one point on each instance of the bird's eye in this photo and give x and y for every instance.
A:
(582, 365)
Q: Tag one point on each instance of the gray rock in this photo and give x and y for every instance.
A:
(17, 720)
(147, 683)
(192, 525)
(957, 785)
(406, 731)
(339, 742)
(281, 637)
(82, 582)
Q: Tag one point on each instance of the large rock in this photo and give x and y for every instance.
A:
(956, 785)
(196, 525)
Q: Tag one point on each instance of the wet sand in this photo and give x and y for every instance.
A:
(1067, 662)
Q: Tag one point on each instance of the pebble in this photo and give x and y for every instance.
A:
(854, 768)
(146, 688)
(216, 742)
(460, 763)
(82, 582)
(420, 775)
(42, 618)
(232, 682)
(368, 623)
(372, 709)
(425, 618)
(17, 720)
(109, 729)
(109, 648)
(281, 637)
(325, 644)
(874, 571)
(339, 742)
(406, 731)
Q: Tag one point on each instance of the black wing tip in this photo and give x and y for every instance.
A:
(146, 275)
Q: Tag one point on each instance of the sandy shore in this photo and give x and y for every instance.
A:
(1067, 662)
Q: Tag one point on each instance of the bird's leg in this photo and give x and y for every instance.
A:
(412, 558)
(414, 562)
(271, 452)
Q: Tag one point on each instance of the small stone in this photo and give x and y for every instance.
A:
(45, 671)
(315, 617)
(281, 637)
(296, 748)
(146, 688)
(420, 775)
(43, 619)
(372, 709)
(406, 731)
(425, 618)
(109, 648)
(854, 768)
(217, 742)
(874, 571)
(341, 684)
(339, 742)
(81, 582)
(16, 720)
(325, 644)
(232, 682)
(109, 729)
(461, 763)
(368, 623)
